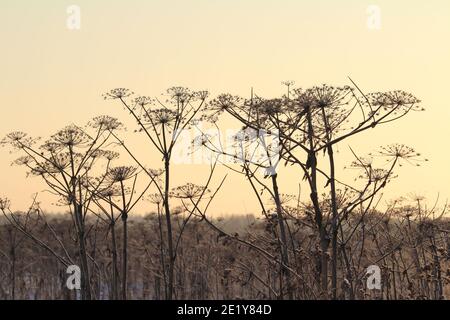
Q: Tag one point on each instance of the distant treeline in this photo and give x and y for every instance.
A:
(413, 257)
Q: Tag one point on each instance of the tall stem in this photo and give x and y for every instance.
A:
(324, 242)
(284, 247)
(115, 283)
(124, 245)
(334, 223)
(169, 228)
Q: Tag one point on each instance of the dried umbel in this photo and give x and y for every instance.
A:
(24, 161)
(51, 147)
(101, 154)
(160, 117)
(394, 99)
(302, 101)
(155, 173)
(247, 134)
(179, 94)
(71, 136)
(222, 103)
(110, 191)
(57, 163)
(200, 95)
(288, 83)
(143, 101)
(369, 173)
(189, 191)
(362, 163)
(398, 151)
(106, 123)
(118, 93)
(156, 198)
(377, 175)
(120, 174)
(328, 96)
(16, 136)
(285, 199)
(201, 140)
(61, 161)
(17, 139)
(323, 109)
(269, 107)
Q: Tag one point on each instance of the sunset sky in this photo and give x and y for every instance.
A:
(52, 76)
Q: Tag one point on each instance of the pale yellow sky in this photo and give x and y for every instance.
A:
(52, 76)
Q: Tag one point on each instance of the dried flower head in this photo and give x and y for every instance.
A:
(110, 191)
(303, 100)
(17, 139)
(51, 146)
(160, 117)
(71, 136)
(401, 152)
(269, 107)
(120, 174)
(200, 95)
(288, 83)
(394, 99)
(247, 134)
(189, 191)
(23, 161)
(378, 175)
(57, 163)
(155, 173)
(362, 163)
(118, 93)
(201, 140)
(106, 123)
(328, 96)
(179, 94)
(224, 102)
(110, 155)
(156, 198)
(142, 101)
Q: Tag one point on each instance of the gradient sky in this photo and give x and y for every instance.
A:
(52, 76)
